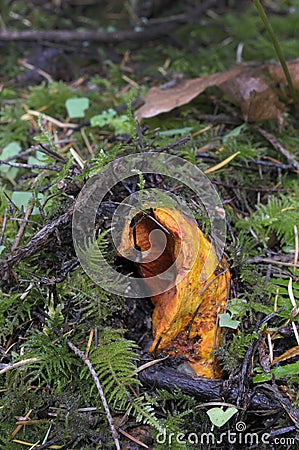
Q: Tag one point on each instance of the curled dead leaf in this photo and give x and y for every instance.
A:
(159, 100)
(246, 84)
(185, 317)
(257, 100)
(277, 74)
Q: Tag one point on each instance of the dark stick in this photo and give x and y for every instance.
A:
(250, 188)
(51, 153)
(22, 228)
(37, 242)
(273, 391)
(3, 226)
(71, 265)
(291, 159)
(21, 154)
(49, 443)
(150, 33)
(175, 144)
(31, 166)
(261, 259)
(204, 389)
(40, 147)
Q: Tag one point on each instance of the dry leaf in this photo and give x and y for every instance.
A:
(158, 100)
(257, 100)
(290, 353)
(246, 85)
(185, 317)
(277, 74)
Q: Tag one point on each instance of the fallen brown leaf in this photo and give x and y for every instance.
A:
(277, 74)
(252, 93)
(246, 84)
(159, 100)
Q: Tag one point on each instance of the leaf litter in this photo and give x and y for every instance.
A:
(254, 88)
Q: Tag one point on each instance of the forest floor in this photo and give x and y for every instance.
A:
(195, 85)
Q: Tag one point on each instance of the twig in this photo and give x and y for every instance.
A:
(247, 360)
(296, 254)
(30, 166)
(219, 119)
(86, 361)
(21, 154)
(49, 444)
(3, 226)
(149, 33)
(71, 265)
(132, 438)
(260, 259)
(272, 391)
(50, 152)
(42, 73)
(278, 146)
(18, 364)
(22, 228)
(182, 141)
(150, 364)
(41, 148)
(250, 188)
(295, 309)
(19, 426)
(188, 17)
(40, 240)
(204, 389)
(57, 123)
(277, 165)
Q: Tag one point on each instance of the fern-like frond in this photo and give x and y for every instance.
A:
(55, 364)
(278, 216)
(95, 255)
(142, 409)
(114, 361)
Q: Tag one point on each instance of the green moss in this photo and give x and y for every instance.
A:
(12, 127)
(38, 323)
(50, 98)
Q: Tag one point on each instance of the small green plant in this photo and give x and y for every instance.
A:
(278, 217)
(12, 127)
(44, 137)
(119, 123)
(50, 98)
(114, 359)
(219, 417)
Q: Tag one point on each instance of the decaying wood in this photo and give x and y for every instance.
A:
(37, 243)
(206, 390)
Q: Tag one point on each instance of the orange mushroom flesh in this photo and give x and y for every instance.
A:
(185, 317)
